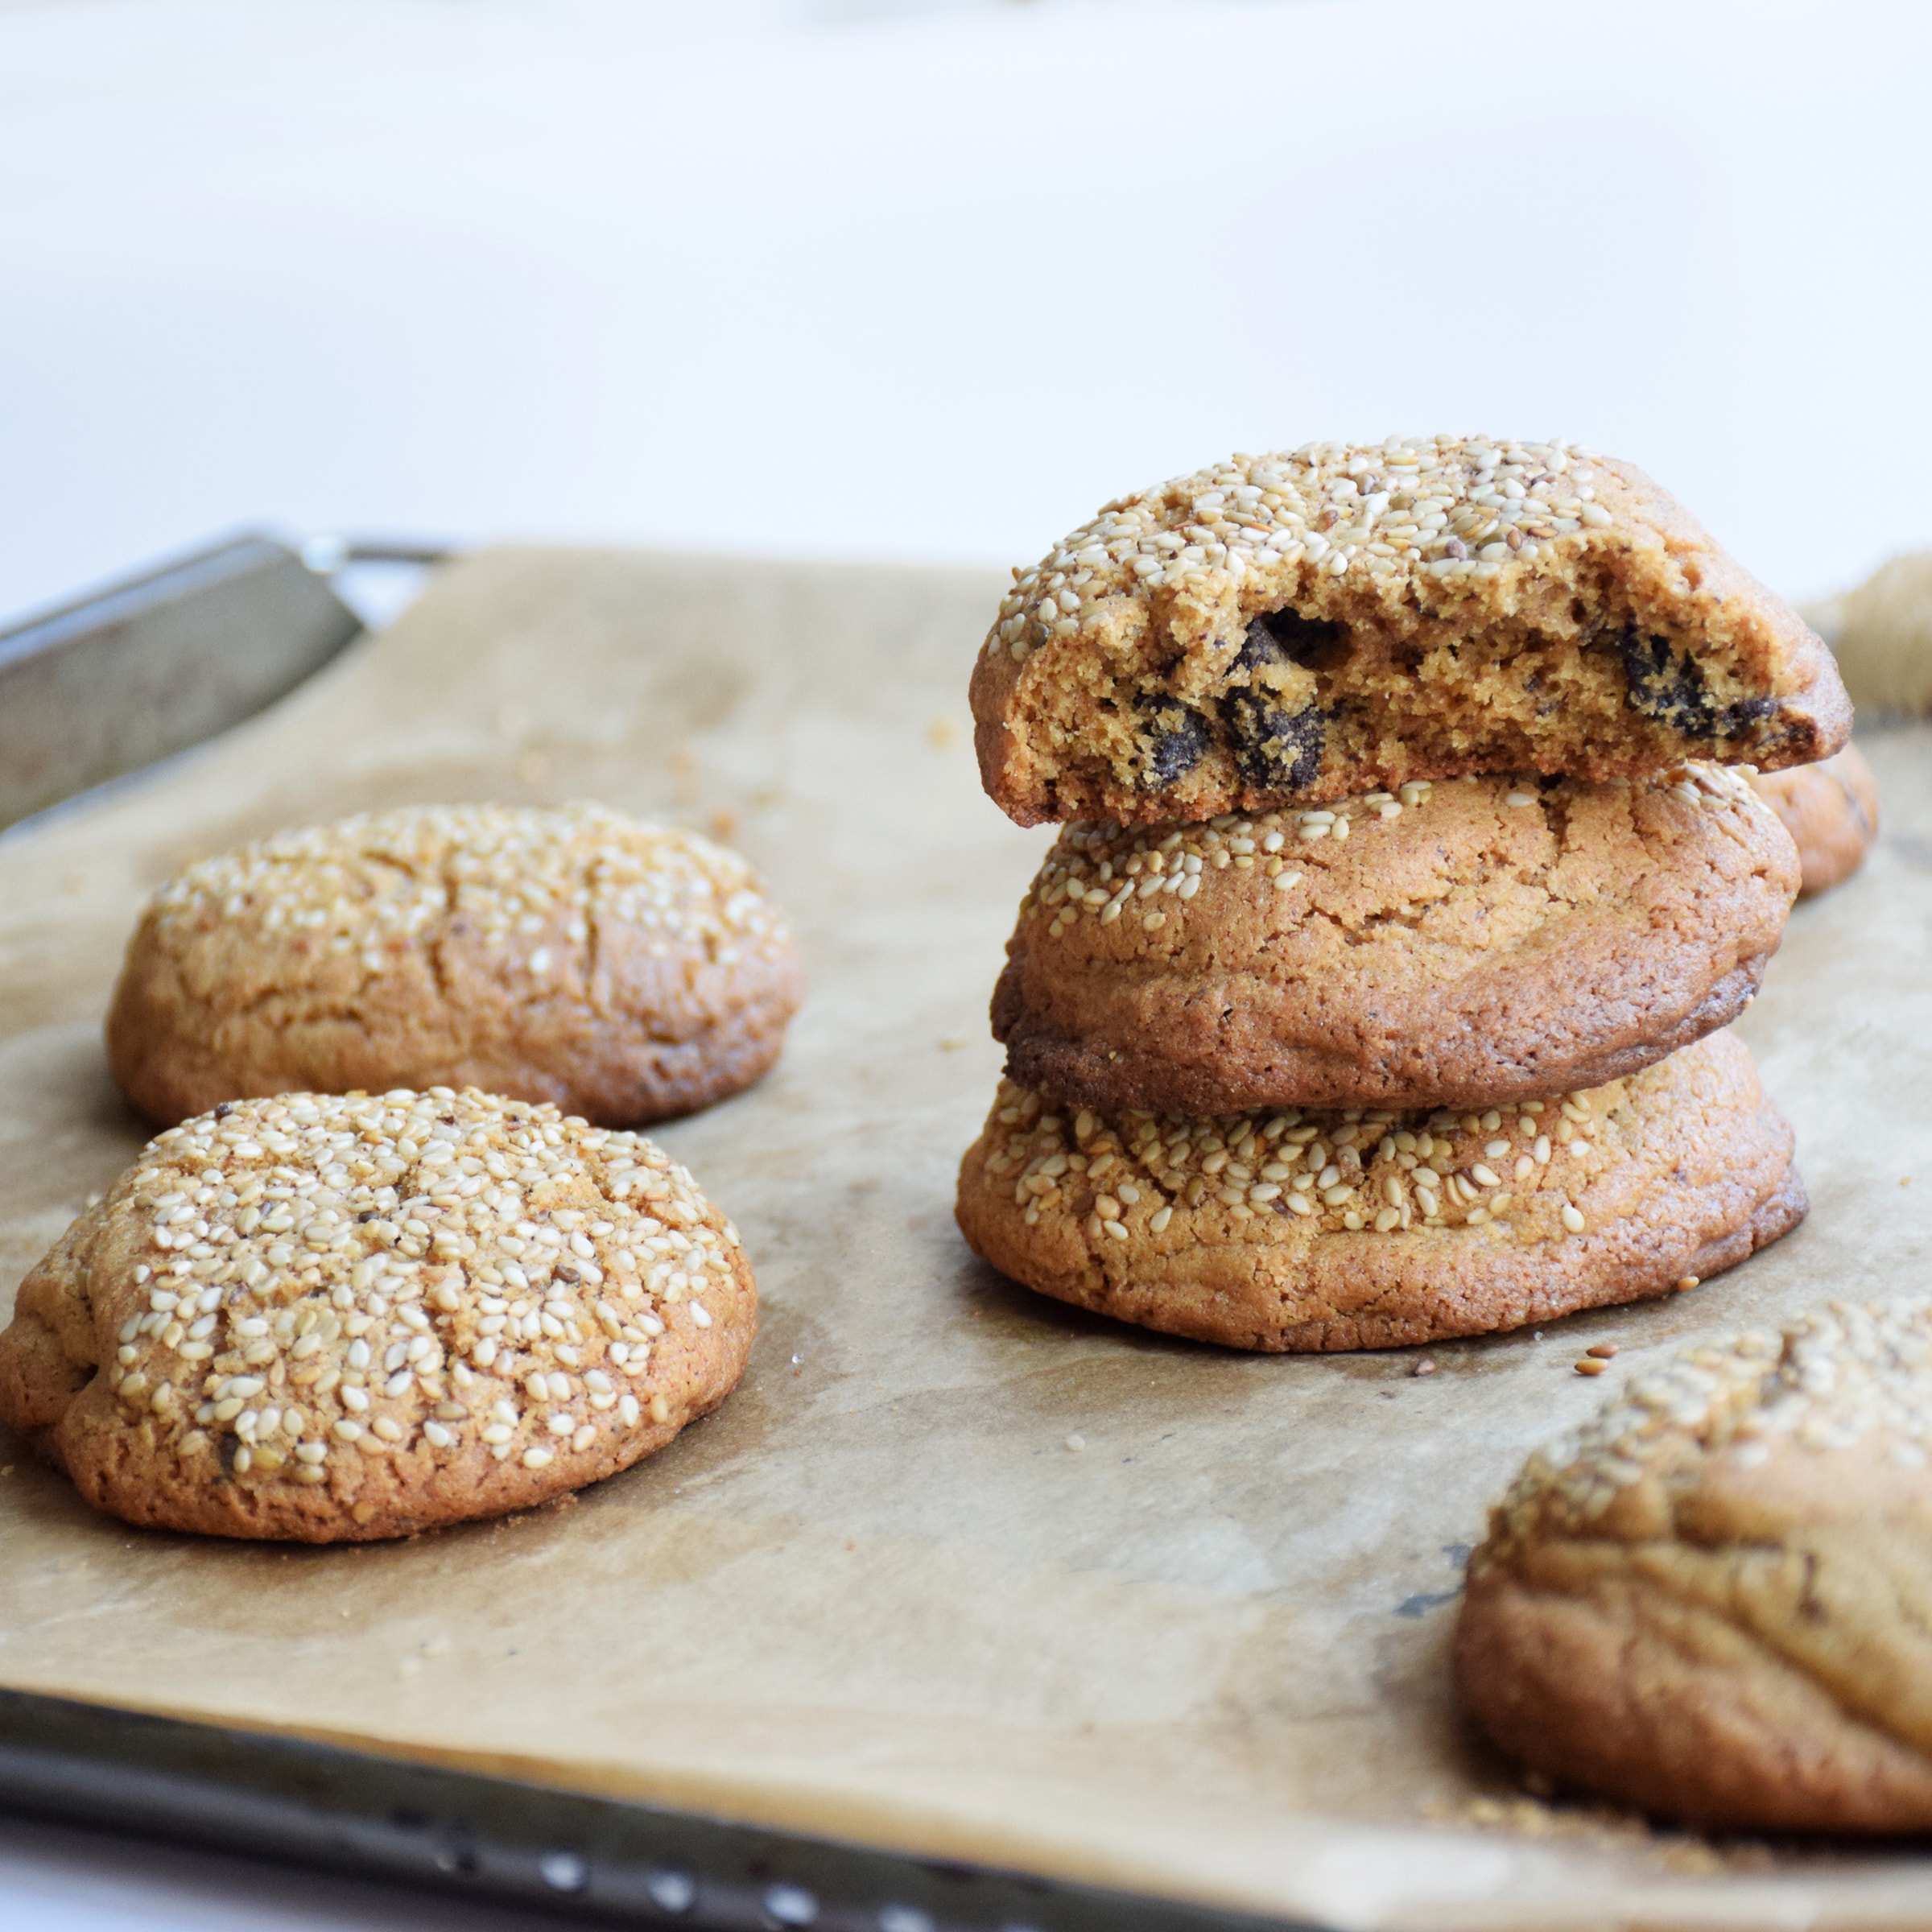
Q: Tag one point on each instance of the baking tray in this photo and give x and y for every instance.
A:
(959, 1576)
(156, 661)
(596, 1861)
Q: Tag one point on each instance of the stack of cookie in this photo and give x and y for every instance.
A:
(1374, 989)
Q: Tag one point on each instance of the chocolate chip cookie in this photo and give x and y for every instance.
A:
(1467, 944)
(330, 1319)
(1715, 1601)
(1371, 1229)
(621, 970)
(1295, 628)
(1831, 810)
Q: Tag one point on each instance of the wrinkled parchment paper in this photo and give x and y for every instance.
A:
(879, 1595)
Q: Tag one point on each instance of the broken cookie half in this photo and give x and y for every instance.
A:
(1288, 629)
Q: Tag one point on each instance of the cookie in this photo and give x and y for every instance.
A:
(1715, 1601)
(1369, 1229)
(332, 1319)
(1289, 628)
(621, 970)
(1831, 810)
(1463, 945)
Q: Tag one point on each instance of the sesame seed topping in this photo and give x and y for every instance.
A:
(1094, 872)
(1379, 1173)
(541, 885)
(1441, 509)
(1845, 1375)
(340, 1285)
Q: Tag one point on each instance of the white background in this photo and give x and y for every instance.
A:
(923, 281)
(933, 282)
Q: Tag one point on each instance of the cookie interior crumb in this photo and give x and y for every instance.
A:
(1297, 625)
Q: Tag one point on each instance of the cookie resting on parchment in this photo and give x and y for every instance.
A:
(334, 1317)
(1372, 1229)
(621, 970)
(1713, 1601)
(1831, 810)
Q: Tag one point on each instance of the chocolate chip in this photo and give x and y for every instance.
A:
(1742, 716)
(1279, 749)
(1174, 739)
(1667, 686)
(1286, 636)
(225, 1110)
(1272, 748)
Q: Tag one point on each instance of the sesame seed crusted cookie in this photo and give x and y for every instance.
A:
(1715, 1600)
(621, 970)
(332, 1318)
(1831, 810)
(1466, 944)
(1294, 628)
(1373, 1228)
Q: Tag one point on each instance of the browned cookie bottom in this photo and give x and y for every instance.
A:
(1367, 1229)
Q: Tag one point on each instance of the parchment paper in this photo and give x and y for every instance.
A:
(879, 1594)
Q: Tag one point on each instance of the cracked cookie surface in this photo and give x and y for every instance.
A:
(623, 971)
(1293, 628)
(1466, 944)
(1713, 1601)
(326, 1318)
(1370, 1228)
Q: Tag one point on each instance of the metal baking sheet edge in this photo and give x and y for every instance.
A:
(598, 1861)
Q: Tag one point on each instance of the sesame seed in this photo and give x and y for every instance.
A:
(1352, 1171)
(384, 886)
(1442, 512)
(358, 1239)
(1834, 1378)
